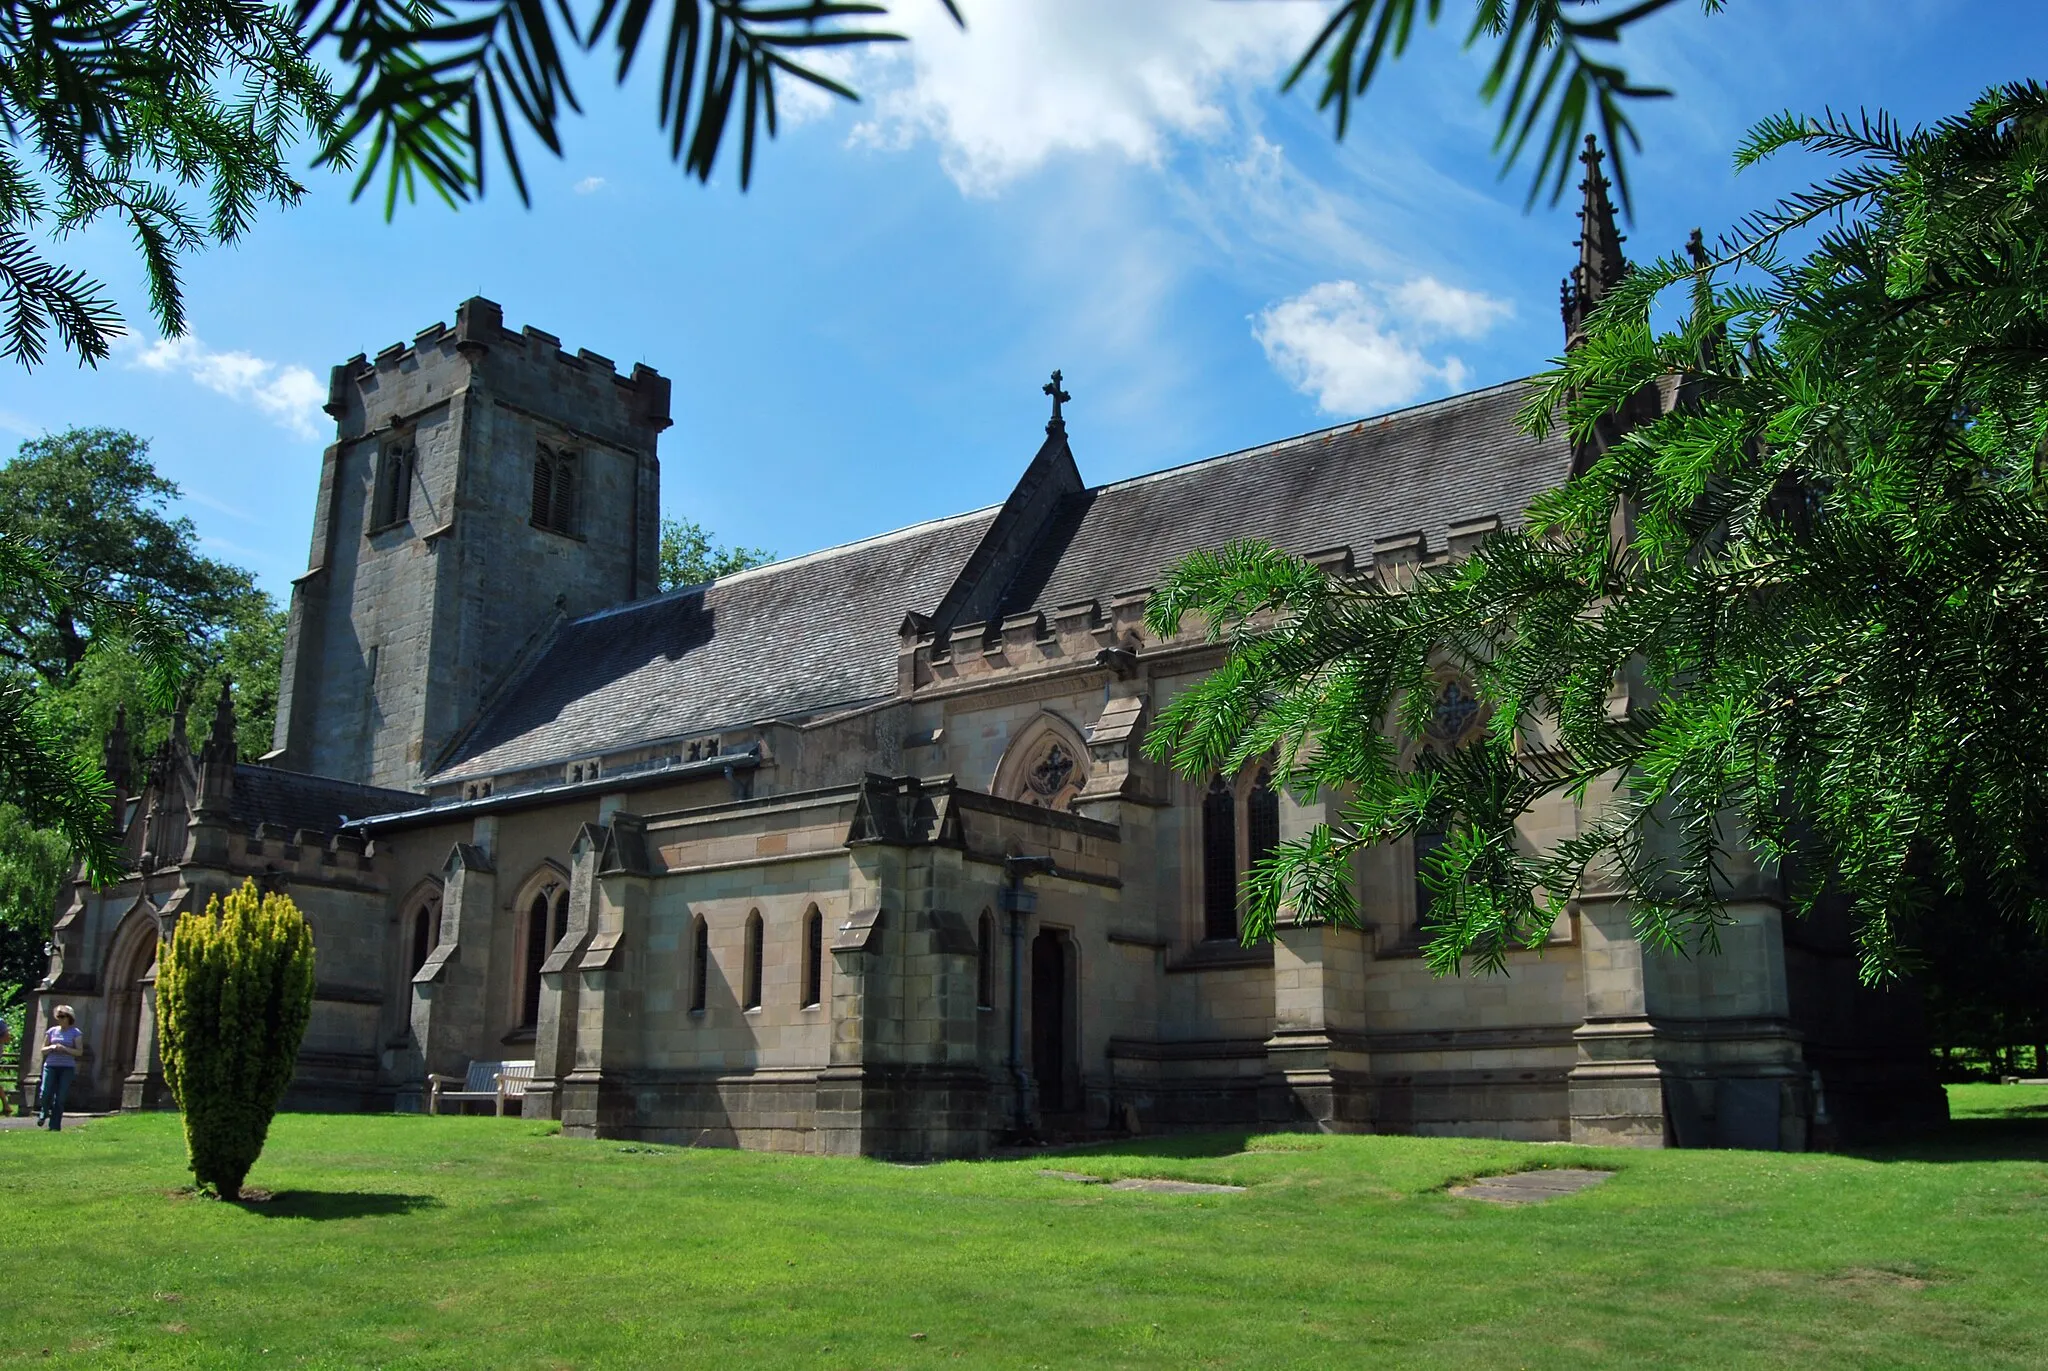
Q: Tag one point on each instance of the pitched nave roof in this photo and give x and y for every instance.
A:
(819, 632)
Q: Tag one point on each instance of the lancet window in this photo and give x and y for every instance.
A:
(755, 946)
(547, 919)
(426, 925)
(1240, 829)
(814, 958)
(1219, 861)
(700, 965)
(1427, 842)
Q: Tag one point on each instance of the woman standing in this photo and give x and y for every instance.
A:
(63, 1045)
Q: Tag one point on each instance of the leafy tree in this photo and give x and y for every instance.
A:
(41, 773)
(1821, 578)
(33, 864)
(246, 650)
(690, 558)
(92, 507)
(233, 998)
(105, 604)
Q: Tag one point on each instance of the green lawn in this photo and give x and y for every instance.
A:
(410, 1242)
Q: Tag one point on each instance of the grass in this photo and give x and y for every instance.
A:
(412, 1242)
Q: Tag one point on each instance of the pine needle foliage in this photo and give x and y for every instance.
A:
(127, 111)
(1821, 575)
(233, 996)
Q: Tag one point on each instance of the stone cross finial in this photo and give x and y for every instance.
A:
(1059, 397)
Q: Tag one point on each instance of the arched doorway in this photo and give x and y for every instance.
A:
(1051, 1052)
(126, 1043)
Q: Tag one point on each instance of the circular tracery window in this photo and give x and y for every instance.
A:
(1455, 714)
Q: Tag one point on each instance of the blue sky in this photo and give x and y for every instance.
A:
(1112, 187)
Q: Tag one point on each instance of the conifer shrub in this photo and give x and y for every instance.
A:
(233, 994)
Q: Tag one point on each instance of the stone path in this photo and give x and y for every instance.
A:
(1530, 1187)
(1147, 1184)
(29, 1120)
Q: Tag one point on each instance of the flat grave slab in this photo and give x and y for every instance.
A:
(1530, 1187)
(1145, 1183)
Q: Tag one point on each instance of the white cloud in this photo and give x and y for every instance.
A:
(589, 185)
(291, 395)
(1033, 78)
(1358, 349)
(1439, 308)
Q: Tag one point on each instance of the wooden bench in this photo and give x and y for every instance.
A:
(494, 1081)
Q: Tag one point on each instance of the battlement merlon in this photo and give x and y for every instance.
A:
(581, 389)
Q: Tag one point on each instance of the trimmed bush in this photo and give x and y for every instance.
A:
(233, 994)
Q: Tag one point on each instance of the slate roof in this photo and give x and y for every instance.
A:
(799, 637)
(819, 632)
(1424, 469)
(296, 800)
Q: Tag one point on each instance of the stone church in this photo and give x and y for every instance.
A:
(857, 852)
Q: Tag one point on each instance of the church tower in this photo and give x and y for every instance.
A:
(482, 484)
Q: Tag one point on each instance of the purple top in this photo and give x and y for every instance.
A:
(61, 1037)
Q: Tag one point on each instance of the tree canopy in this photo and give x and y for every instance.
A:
(1816, 583)
(689, 557)
(94, 510)
(107, 605)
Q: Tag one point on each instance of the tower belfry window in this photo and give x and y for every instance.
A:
(554, 490)
(392, 496)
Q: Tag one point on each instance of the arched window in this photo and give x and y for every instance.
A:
(426, 924)
(753, 968)
(547, 918)
(394, 485)
(1219, 861)
(1261, 820)
(554, 490)
(814, 958)
(985, 963)
(700, 965)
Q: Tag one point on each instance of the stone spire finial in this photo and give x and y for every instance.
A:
(117, 760)
(220, 742)
(216, 789)
(1059, 397)
(1601, 263)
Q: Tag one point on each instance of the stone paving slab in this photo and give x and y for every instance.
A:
(1159, 1187)
(1530, 1187)
(1144, 1183)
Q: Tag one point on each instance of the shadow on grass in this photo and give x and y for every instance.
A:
(2012, 1139)
(339, 1204)
(1176, 1145)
